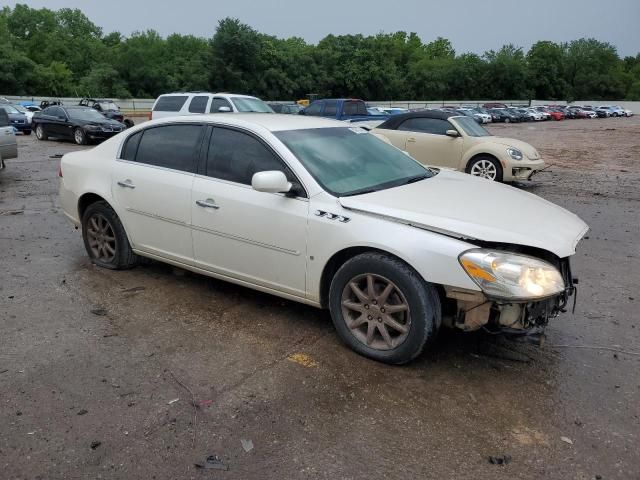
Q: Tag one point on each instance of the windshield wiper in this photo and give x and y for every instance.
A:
(417, 178)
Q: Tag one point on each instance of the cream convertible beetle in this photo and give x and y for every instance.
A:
(326, 214)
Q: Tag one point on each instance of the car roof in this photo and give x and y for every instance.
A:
(273, 122)
(219, 94)
(395, 121)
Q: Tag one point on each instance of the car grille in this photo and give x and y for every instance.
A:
(18, 122)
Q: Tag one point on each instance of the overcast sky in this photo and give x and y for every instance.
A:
(471, 25)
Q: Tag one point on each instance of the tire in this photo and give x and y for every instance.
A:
(26, 132)
(105, 239)
(485, 167)
(507, 120)
(40, 133)
(416, 324)
(128, 123)
(79, 136)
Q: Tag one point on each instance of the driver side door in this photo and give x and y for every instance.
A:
(427, 142)
(240, 233)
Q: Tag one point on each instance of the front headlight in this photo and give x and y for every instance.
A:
(514, 153)
(92, 127)
(511, 276)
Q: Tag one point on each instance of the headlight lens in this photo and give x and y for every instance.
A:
(511, 276)
(514, 153)
(92, 127)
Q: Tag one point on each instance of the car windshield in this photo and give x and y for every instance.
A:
(9, 109)
(350, 161)
(471, 127)
(86, 114)
(108, 105)
(247, 104)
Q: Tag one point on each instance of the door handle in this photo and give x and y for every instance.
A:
(126, 184)
(411, 140)
(208, 203)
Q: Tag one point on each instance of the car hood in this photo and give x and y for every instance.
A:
(471, 208)
(524, 147)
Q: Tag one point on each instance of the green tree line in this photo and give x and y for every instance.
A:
(58, 53)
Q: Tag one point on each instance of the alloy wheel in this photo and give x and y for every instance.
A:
(79, 136)
(484, 169)
(101, 238)
(376, 311)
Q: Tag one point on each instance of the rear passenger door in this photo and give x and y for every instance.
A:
(151, 185)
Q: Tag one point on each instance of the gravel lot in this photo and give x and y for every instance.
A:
(93, 395)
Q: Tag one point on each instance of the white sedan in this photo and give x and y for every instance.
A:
(329, 215)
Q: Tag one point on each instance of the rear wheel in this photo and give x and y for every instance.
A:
(105, 239)
(485, 167)
(382, 308)
(40, 133)
(507, 120)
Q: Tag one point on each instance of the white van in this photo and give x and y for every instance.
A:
(194, 103)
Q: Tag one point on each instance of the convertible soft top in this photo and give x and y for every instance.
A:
(396, 120)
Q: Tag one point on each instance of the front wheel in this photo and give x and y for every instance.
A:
(382, 308)
(506, 120)
(485, 167)
(105, 239)
(40, 133)
(79, 136)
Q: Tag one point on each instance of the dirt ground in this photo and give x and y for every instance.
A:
(99, 370)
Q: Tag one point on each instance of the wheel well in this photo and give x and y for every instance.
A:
(477, 155)
(337, 260)
(86, 200)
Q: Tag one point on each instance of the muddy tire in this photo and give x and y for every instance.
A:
(40, 133)
(382, 308)
(105, 239)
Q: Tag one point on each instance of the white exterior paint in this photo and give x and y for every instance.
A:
(279, 244)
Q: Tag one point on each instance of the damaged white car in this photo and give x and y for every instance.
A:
(329, 215)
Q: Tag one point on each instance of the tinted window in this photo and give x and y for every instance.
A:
(219, 102)
(131, 147)
(313, 109)
(4, 118)
(236, 156)
(277, 107)
(426, 125)
(198, 104)
(55, 112)
(354, 108)
(170, 103)
(170, 146)
(330, 108)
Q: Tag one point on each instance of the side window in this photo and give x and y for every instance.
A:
(330, 108)
(236, 156)
(170, 103)
(434, 126)
(198, 104)
(170, 146)
(354, 108)
(55, 112)
(314, 109)
(131, 146)
(219, 102)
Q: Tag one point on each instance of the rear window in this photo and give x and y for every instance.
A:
(170, 103)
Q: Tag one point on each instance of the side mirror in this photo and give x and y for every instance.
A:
(452, 133)
(272, 181)
(224, 109)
